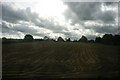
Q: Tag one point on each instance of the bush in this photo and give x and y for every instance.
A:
(60, 39)
(28, 37)
(98, 39)
(83, 39)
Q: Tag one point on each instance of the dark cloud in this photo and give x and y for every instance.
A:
(15, 15)
(119, 18)
(77, 13)
(90, 0)
(84, 11)
(110, 28)
(88, 11)
(53, 25)
(0, 12)
(24, 28)
(108, 16)
(81, 12)
(110, 3)
(20, 28)
(106, 29)
(4, 25)
(11, 15)
(6, 29)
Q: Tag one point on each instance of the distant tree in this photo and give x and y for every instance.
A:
(91, 41)
(68, 40)
(98, 39)
(28, 37)
(4, 38)
(83, 39)
(107, 39)
(75, 40)
(53, 40)
(60, 39)
(46, 38)
(116, 40)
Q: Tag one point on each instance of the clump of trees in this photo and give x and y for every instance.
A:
(68, 39)
(116, 39)
(4, 38)
(98, 39)
(28, 37)
(106, 39)
(46, 38)
(91, 41)
(60, 39)
(83, 39)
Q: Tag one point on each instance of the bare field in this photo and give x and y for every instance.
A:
(59, 59)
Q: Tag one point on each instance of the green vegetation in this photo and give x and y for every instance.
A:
(60, 59)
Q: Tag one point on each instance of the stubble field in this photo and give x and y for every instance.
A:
(59, 59)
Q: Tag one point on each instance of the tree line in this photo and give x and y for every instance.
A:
(106, 39)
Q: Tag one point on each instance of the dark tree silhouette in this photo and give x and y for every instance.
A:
(116, 40)
(28, 37)
(98, 39)
(75, 40)
(83, 39)
(4, 38)
(60, 39)
(91, 41)
(107, 39)
(46, 38)
(68, 40)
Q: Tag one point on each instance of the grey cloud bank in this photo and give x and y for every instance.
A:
(77, 13)
(82, 12)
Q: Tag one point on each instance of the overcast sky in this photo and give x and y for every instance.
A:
(57, 18)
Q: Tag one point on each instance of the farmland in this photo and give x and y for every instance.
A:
(59, 59)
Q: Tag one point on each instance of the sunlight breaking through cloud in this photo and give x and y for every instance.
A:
(58, 18)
